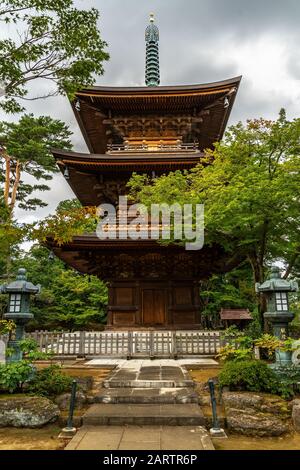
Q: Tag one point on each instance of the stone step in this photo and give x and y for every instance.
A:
(143, 395)
(113, 383)
(118, 414)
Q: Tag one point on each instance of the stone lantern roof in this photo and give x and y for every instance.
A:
(20, 285)
(275, 283)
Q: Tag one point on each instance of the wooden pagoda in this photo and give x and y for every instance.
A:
(150, 130)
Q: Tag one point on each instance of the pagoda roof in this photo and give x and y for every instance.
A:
(88, 254)
(84, 169)
(97, 103)
(133, 160)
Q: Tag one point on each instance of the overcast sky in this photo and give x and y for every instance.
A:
(200, 41)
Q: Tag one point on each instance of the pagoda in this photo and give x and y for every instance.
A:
(148, 130)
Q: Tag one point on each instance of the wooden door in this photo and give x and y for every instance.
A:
(154, 306)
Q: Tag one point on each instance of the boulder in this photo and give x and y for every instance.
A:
(63, 400)
(27, 412)
(255, 414)
(296, 417)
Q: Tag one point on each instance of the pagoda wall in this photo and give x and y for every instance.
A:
(154, 303)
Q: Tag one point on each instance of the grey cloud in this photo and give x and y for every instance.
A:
(194, 34)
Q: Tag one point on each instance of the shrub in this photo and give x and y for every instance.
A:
(50, 381)
(13, 376)
(288, 381)
(252, 376)
(30, 350)
(230, 353)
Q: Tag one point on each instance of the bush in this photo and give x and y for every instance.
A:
(252, 376)
(30, 350)
(13, 376)
(50, 381)
(288, 381)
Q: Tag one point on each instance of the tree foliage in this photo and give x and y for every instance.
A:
(68, 299)
(25, 151)
(231, 290)
(70, 218)
(53, 41)
(249, 184)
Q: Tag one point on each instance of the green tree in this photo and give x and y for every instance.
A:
(249, 184)
(25, 156)
(68, 299)
(55, 42)
(70, 218)
(231, 290)
(25, 151)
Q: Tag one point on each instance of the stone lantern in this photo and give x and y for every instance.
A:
(19, 292)
(276, 290)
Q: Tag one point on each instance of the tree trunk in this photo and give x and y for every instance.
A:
(15, 186)
(7, 178)
(258, 277)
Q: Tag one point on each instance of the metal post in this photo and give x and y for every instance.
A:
(69, 431)
(213, 404)
(215, 431)
(72, 404)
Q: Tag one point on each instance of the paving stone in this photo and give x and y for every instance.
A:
(166, 414)
(137, 404)
(141, 438)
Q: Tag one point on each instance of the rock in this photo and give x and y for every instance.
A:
(255, 414)
(265, 403)
(27, 412)
(296, 417)
(258, 424)
(63, 400)
(242, 400)
(295, 402)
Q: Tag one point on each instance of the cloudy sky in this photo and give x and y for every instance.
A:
(200, 41)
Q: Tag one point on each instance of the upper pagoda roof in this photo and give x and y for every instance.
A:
(95, 105)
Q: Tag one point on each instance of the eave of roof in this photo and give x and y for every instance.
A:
(131, 159)
(160, 90)
(170, 99)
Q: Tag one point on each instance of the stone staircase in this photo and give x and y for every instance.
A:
(146, 395)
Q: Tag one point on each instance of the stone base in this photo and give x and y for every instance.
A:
(217, 432)
(67, 433)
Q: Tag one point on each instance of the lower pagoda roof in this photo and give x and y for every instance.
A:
(116, 259)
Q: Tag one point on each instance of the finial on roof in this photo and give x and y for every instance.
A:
(152, 53)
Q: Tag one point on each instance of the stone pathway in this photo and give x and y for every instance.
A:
(141, 438)
(158, 401)
(193, 361)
